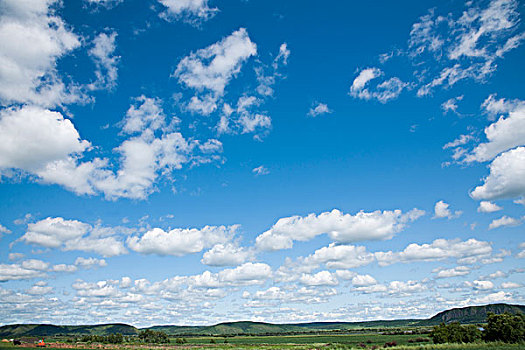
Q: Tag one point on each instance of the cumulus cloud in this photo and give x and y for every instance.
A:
(322, 278)
(339, 257)
(437, 250)
(248, 273)
(90, 262)
(453, 272)
(502, 135)
(488, 207)
(343, 228)
(28, 269)
(28, 72)
(191, 11)
(441, 210)
(228, 254)
(494, 106)
(213, 67)
(319, 108)
(31, 138)
(506, 177)
(179, 241)
(504, 221)
(71, 235)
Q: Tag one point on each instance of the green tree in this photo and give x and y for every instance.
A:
(455, 333)
(505, 327)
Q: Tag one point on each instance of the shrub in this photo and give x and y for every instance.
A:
(455, 333)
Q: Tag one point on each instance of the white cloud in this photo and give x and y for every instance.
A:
(248, 273)
(453, 272)
(363, 78)
(451, 104)
(31, 138)
(504, 221)
(488, 207)
(90, 262)
(510, 285)
(179, 241)
(437, 250)
(506, 178)
(441, 210)
(191, 11)
(319, 109)
(339, 257)
(260, 170)
(4, 229)
(106, 3)
(493, 106)
(10, 272)
(461, 140)
(28, 72)
(15, 256)
(71, 235)
(40, 288)
(64, 268)
(267, 79)
(502, 135)
(344, 228)
(408, 287)
(213, 67)
(363, 281)
(500, 296)
(103, 54)
(480, 285)
(322, 278)
(226, 255)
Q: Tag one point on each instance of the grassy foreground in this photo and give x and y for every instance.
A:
(327, 346)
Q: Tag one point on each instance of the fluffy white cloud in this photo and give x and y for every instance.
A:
(453, 272)
(363, 281)
(408, 287)
(510, 285)
(441, 210)
(437, 250)
(40, 288)
(500, 296)
(33, 137)
(504, 221)
(213, 67)
(191, 11)
(344, 228)
(248, 273)
(106, 3)
(4, 229)
(28, 72)
(340, 257)
(488, 207)
(322, 278)
(502, 135)
(226, 255)
(506, 178)
(318, 109)
(179, 241)
(103, 54)
(71, 235)
(480, 285)
(26, 270)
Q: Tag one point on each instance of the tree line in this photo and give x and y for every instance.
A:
(508, 328)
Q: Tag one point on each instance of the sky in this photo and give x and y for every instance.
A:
(191, 162)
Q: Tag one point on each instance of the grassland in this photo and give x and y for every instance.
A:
(320, 346)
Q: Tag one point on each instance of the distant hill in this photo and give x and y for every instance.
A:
(19, 330)
(474, 314)
(470, 314)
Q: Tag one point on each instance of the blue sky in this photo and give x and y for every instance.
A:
(198, 161)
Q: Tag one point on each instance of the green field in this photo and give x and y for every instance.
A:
(275, 346)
